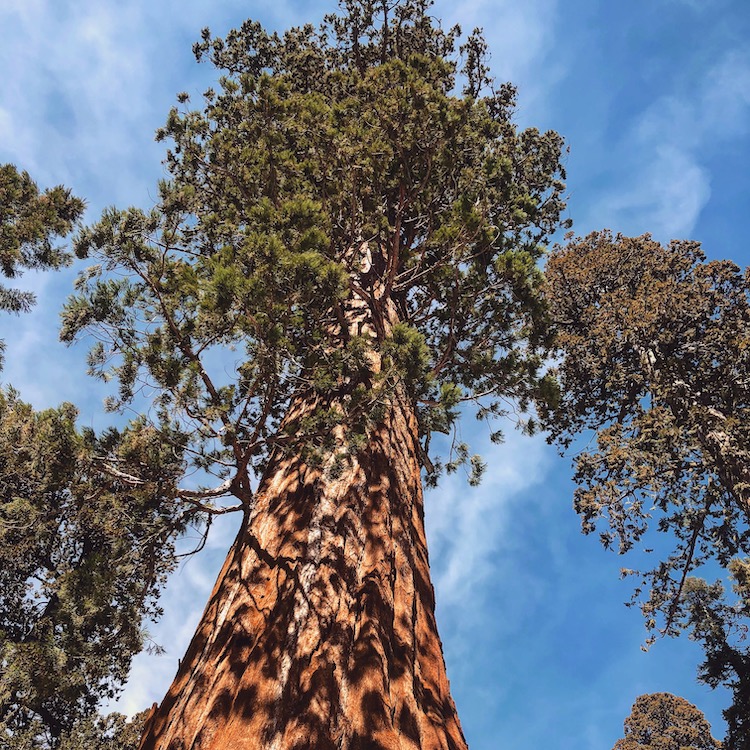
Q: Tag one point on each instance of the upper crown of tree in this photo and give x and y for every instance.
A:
(352, 164)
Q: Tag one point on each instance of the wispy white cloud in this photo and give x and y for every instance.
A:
(519, 34)
(465, 525)
(665, 182)
(725, 96)
(71, 77)
(665, 198)
(75, 109)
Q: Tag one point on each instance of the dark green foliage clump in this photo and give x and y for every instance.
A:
(82, 558)
(111, 732)
(29, 222)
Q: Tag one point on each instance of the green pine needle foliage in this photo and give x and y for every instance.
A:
(354, 163)
(29, 222)
(83, 556)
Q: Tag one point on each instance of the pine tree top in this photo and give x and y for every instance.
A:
(356, 164)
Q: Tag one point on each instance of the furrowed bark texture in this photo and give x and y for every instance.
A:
(320, 632)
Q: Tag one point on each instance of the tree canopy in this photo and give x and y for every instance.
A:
(82, 559)
(662, 721)
(333, 168)
(655, 344)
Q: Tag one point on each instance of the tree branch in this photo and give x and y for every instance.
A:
(194, 497)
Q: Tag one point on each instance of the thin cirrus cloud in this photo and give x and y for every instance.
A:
(518, 34)
(666, 184)
(74, 79)
(665, 198)
(465, 524)
(520, 38)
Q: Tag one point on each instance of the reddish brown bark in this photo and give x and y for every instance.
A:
(320, 632)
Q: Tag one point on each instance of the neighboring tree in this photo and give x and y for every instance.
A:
(662, 721)
(346, 252)
(29, 222)
(722, 627)
(82, 558)
(656, 361)
(111, 732)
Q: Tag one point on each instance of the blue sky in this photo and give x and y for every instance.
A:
(653, 97)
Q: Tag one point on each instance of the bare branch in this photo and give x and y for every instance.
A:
(194, 497)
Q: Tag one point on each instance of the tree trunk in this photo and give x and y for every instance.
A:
(320, 631)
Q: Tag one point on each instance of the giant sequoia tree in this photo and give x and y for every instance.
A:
(343, 255)
(656, 344)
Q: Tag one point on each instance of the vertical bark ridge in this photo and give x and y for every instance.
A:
(320, 631)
